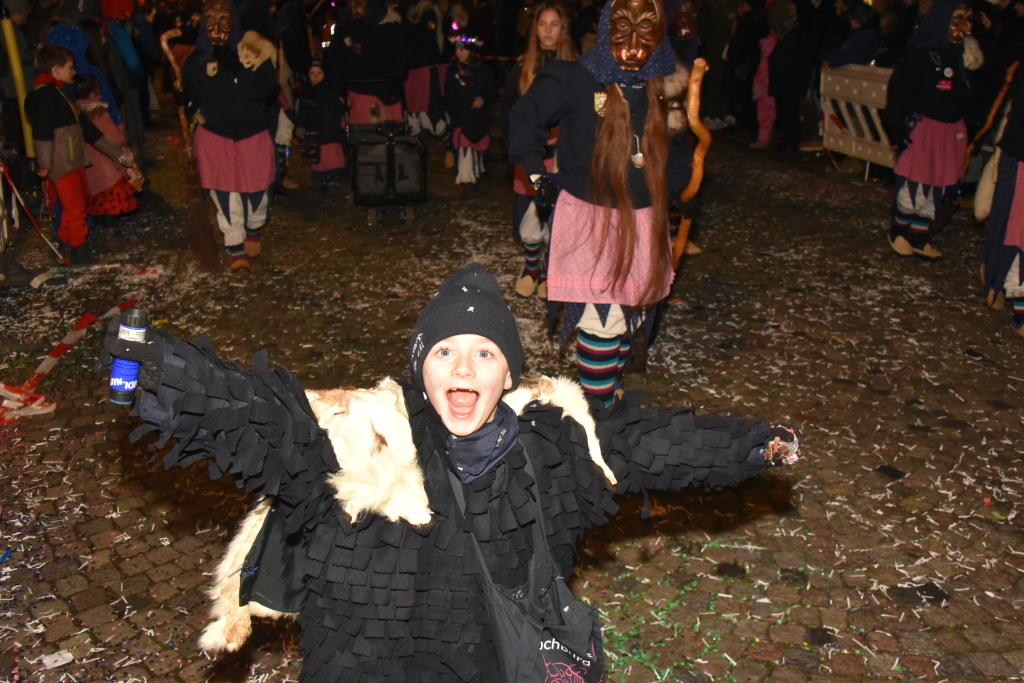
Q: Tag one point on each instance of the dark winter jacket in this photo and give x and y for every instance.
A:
(860, 47)
(930, 83)
(61, 133)
(791, 62)
(1012, 141)
(394, 600)
(369, 59)
(745, 45)
(231, 98)
(424, 34)
(464, 84)
(511, 93)
(566, 94)
(320, 110)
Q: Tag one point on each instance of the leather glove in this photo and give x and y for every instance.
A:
(149, 354)
(180, 98)
(547, 193)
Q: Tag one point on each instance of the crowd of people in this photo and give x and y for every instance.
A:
(380, 508)
(589, 128)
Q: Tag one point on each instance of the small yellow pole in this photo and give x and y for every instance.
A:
(19, 80)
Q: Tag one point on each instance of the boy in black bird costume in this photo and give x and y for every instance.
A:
(371, 501)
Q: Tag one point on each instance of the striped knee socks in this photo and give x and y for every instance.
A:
(599, 361)
(1018, 313)
(532, 251)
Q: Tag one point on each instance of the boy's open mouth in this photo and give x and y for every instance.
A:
(462, 402)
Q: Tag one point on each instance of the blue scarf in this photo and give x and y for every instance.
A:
(475, 455)
(600, 61)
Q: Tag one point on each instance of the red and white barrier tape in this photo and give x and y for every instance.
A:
(20, 401)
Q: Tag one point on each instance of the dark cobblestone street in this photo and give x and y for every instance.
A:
(828, 571)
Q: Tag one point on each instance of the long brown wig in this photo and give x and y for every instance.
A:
(532, 58)
(608, 183)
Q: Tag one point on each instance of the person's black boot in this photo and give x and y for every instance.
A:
(80, 256)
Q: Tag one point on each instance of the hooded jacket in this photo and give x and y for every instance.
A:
(363, 505)
(930, 79)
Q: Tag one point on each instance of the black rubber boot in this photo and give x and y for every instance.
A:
(80, 256)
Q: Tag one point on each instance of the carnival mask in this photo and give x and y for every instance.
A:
(218, 19)
(959, 25)
(685, 24)
(637, 26)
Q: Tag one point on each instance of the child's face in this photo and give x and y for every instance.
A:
(464, 377)
(462, 54)
(316, 75)
(65, 73)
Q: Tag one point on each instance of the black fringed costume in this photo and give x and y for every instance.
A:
(389, 601)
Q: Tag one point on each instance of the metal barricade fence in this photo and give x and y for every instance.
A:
(851, 97)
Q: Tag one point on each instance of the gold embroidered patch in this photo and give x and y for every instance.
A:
(211, 69)
(599, 99)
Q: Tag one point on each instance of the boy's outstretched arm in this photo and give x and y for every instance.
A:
(650, 448)
(254, 424)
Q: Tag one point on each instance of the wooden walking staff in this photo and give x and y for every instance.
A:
(704, 141)
(996, 106)
(200, 230)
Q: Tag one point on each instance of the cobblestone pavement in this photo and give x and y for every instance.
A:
(891, 552)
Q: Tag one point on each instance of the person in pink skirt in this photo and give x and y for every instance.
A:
(764, 99)
(929, 95)
(230, 81)
(320, 112)
(610, 259)
(429, 57)
(468, 95)
(367, 58)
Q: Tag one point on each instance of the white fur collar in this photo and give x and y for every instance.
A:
(378, 466)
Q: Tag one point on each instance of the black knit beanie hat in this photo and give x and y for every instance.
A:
(469, 301)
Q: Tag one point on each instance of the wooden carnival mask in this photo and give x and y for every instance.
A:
(637, 26)
(218, 19)
(960, 25)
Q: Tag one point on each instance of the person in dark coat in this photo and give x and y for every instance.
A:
(861, 42)
(742, 57)
(233, 148)
(428, 68)
(358, 529)
(929, 96)
(789, 72)
(320, 112)
(610, 259)
(469, 92)
(1001, 275)
(367, 58)
(549, 40)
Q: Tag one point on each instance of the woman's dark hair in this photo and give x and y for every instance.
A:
(87, 86)
(50, 56)
(608, 183)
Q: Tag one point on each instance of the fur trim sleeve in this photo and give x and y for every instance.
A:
(254, 49)
(974, 58)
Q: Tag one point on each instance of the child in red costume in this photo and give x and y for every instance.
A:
(60, 135)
